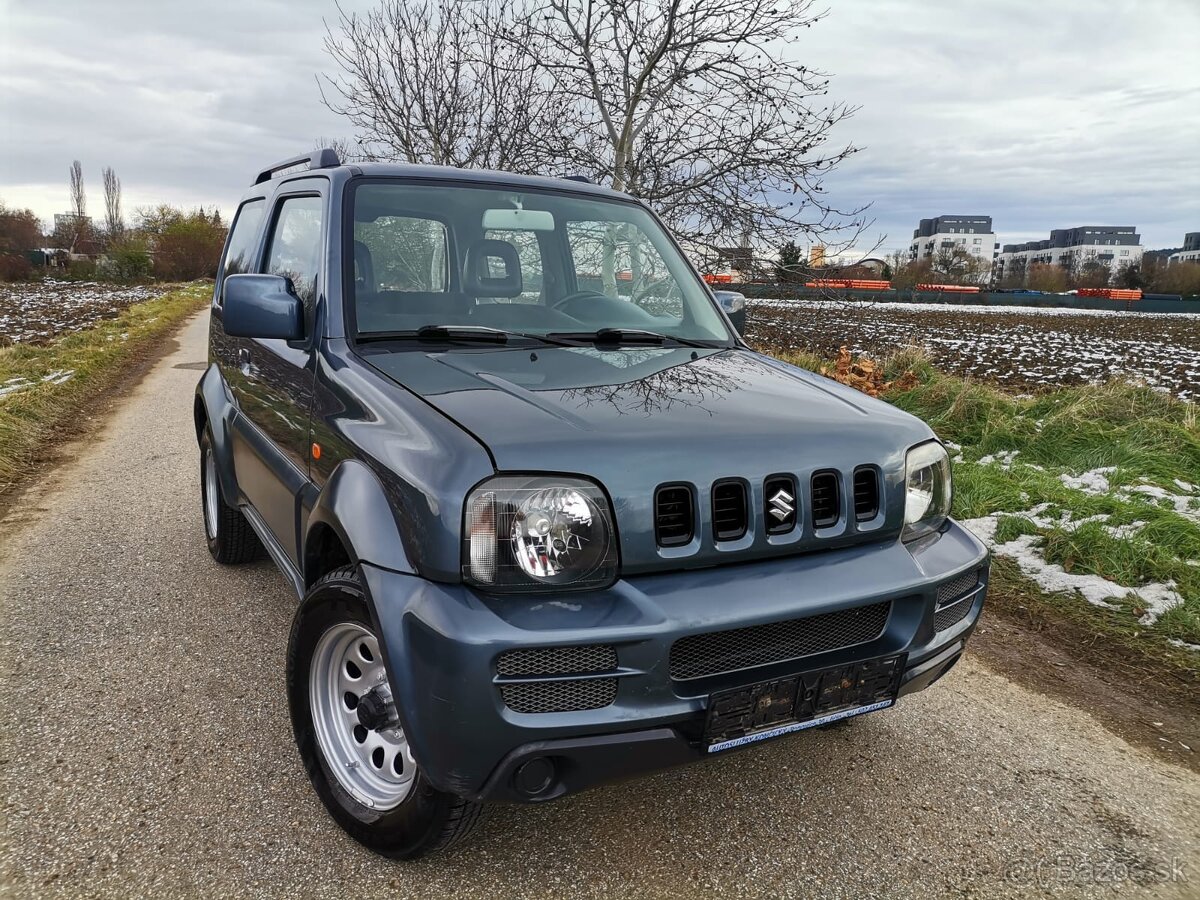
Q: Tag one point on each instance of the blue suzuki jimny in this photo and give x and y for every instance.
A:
(552, 522)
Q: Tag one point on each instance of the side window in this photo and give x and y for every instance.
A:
(294, 249)
(400, 253)
(243, 238)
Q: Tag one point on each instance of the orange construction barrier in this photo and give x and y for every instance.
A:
(951, 288)
(1111, 293)
(850, 284)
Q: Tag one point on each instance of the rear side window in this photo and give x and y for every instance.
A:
(294, 250)
(243, 238)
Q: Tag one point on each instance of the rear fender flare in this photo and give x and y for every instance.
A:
(213, 408)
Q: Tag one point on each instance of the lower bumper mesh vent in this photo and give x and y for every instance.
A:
(952, 602)
(564, 695)
(742, 648)
(531, 661)
(559, 696)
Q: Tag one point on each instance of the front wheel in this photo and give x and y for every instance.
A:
(349, 734)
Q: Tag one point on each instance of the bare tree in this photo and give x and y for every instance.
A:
(114, 224)
(424, 82)
(78, 204)
(696, 107)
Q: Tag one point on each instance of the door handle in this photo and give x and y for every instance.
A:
(244, 361)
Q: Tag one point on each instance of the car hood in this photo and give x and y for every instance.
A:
(636, 418)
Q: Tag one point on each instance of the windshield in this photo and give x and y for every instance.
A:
(532, 262)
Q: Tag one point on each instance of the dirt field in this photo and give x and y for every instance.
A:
(1019, 348)
(36, 312)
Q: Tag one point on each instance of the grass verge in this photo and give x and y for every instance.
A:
(1089, 495)
(44, 390)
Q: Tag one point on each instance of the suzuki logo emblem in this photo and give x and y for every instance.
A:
(781, 505)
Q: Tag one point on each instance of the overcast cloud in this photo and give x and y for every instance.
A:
(1041, 113)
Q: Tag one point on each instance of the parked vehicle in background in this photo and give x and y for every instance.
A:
(548, 527)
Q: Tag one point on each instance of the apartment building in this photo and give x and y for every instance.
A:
(1190, 251)
(973, 234)
(1072, 248)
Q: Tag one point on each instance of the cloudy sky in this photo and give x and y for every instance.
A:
(1042, 113)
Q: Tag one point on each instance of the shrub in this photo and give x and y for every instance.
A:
(127, 260)
(189, 247)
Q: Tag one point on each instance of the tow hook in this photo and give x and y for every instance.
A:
(377, 709)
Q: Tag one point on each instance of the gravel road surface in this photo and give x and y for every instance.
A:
(146, 749)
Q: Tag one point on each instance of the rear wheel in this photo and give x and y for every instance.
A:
(230, 537)
(349, 735)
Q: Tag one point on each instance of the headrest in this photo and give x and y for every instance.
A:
(484, 259)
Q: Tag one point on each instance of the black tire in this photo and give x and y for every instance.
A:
(427, 819)
(234, 541)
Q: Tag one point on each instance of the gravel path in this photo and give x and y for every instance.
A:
(146, 747)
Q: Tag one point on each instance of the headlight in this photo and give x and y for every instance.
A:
(927, 490)
(529, 533)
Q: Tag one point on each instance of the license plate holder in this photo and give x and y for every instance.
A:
(793, 703)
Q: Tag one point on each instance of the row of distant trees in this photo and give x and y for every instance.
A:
(160, 242)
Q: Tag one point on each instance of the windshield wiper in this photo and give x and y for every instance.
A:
(483, 334)
(626, 336)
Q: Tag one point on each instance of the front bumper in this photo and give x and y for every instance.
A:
(442, 642)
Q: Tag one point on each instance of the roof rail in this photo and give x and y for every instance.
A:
(582, 178)
(318, 159)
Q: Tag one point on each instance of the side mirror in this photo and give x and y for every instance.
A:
(734, 305)
(261, 306)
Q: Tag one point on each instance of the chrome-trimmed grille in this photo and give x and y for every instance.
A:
(715, 652)
(559, 696)
(533, 661)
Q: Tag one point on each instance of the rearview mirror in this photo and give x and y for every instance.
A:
(518, 220)
(261, 306)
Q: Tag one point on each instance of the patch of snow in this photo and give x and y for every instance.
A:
(1004, 459)
(1155, 597)
(1094, 481)
(1183, 645)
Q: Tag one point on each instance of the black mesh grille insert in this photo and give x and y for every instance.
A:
(531, 661)
(866, 494)
(953, 589)
(779, 492)
(742, 648)
(673, 525)
(951, 615)
(952, 607)
(826, 505)
(729, 510)
(559, 696)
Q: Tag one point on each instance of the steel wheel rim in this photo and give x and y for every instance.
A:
(210, 494)
(376, 768)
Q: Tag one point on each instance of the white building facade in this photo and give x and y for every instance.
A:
(971, 234)
(1115, 246)
(1190, 251)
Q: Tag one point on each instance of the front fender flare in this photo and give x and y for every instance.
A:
(354, 504)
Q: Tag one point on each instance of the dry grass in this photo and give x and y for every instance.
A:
(56, 383)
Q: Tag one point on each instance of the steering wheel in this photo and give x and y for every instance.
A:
(577, 295)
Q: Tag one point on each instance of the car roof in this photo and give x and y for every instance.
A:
(413, 171)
